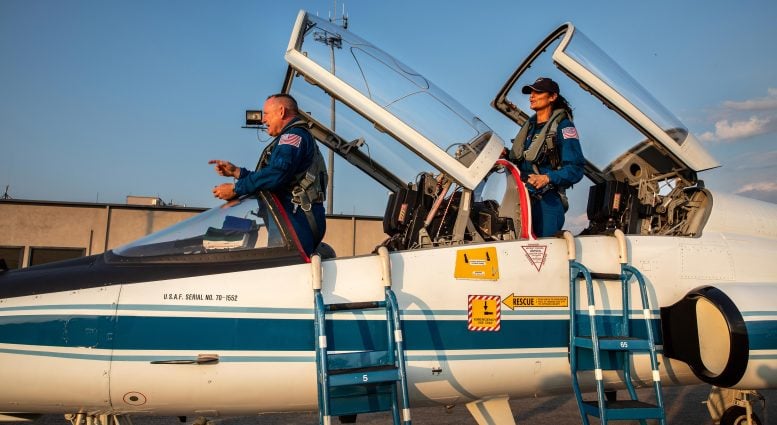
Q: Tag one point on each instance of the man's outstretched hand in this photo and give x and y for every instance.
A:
(225, 168)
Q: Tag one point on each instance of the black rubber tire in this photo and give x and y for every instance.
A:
(737, 415)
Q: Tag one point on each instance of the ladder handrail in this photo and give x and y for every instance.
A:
(400, 348)
(623, 249)
(598, 374)
(651, 339)
(631, 270)
(322, 365)
(319, 323)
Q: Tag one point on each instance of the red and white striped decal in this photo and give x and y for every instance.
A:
(484, 313)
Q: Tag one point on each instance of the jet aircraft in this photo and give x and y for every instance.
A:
(671, 283)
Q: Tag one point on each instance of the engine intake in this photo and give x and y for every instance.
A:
(725, 334)
(706, 330)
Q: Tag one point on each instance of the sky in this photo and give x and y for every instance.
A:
(104, 99)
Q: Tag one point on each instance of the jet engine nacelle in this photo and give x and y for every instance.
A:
(725, 333)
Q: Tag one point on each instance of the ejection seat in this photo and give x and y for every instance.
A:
(412, 216)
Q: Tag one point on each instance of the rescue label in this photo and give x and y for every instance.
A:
(477, 263)
(514, 301)
(536, 254)
(484, 313)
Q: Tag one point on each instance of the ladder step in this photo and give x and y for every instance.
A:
(600, 276)
(358, 359)
(365, 305)
(625, 409)
(613, 343)
(363, 376)
(355, 399)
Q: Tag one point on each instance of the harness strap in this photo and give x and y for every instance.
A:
(306, 192)
(544, 141)
(308, 187)
(516, 152)
(312, 223)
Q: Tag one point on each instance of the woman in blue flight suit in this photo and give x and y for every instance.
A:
(547, 151)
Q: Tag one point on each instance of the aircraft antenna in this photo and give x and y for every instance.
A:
(6, 195)
(334, 41)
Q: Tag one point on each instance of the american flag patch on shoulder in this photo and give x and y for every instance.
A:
(569, 133)
(290, 139)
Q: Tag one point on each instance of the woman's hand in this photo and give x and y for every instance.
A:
(538, 180)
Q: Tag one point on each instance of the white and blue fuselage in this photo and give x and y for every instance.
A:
(134, 347)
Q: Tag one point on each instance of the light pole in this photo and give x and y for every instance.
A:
(333, 41)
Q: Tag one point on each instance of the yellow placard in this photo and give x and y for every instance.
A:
(477, 263)
(514, 301)
(484, 313)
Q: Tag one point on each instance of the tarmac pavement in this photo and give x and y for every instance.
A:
(684, 406)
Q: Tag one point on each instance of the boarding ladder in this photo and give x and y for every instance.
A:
(350, 383)
(610, 345)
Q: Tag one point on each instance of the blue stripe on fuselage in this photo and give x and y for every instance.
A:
(762, 334)
(192, 333)
(249, 334)
(292, 334)
(58, 330)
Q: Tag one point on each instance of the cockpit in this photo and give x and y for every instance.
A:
(252, 227)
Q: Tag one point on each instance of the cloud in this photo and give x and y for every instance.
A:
(745, 119)
(760, 186)
(732, 130)
(754, 161)
(707, 136)
(765, 191)
(761, 104)
(764, 159)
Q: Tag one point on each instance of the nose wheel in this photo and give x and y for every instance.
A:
(734, 407)
(737, 415)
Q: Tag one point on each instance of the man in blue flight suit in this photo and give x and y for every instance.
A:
(548, 154)
(291, 167)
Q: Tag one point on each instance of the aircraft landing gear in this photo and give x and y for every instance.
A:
(737, 415)
(85, 419)
(734, 407)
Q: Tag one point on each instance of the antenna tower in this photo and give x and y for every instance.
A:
(334, 41)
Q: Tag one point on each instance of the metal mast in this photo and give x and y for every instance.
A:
(334, 41)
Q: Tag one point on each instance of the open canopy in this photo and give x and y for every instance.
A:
(668, 147)
(408, 123)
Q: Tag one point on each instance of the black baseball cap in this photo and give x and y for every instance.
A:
(542, 85)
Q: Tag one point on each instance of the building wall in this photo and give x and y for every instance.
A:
(96, 228)
(354, 235)
(127, 225)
